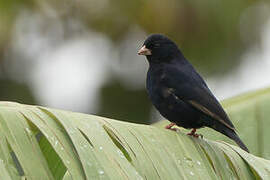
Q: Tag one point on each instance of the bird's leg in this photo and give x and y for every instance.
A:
(170, 127)
(193, 133)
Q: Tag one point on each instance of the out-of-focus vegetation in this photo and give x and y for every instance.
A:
(212, 34)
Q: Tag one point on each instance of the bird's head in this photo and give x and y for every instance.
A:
(158, 48)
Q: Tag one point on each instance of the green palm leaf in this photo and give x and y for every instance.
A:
(43, 143)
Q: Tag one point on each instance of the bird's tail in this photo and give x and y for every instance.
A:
(232, 134)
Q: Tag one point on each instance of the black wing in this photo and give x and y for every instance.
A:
(188, 86)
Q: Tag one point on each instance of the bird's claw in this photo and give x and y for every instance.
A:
(173, 129)
(194, 134)
(170, 127)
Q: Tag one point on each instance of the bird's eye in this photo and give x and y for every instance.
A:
(153, 45)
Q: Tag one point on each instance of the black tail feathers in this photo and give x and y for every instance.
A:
(232, 134)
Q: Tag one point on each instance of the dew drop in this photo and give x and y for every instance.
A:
(28, 130)
(191, 173)
(189, 161)
(100, 172)
(198, 162)
(120, 153)
(100, 147)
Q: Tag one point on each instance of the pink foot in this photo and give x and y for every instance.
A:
(170, 127)
(193, 133)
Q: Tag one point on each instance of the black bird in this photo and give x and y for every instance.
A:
(179, 93)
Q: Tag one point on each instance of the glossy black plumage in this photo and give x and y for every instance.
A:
(179, 93)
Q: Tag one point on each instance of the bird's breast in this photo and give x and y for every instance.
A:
(161, 96)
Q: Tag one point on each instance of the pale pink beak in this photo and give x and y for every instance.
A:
(144, 51)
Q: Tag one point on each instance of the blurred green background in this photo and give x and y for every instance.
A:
(81, 55)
